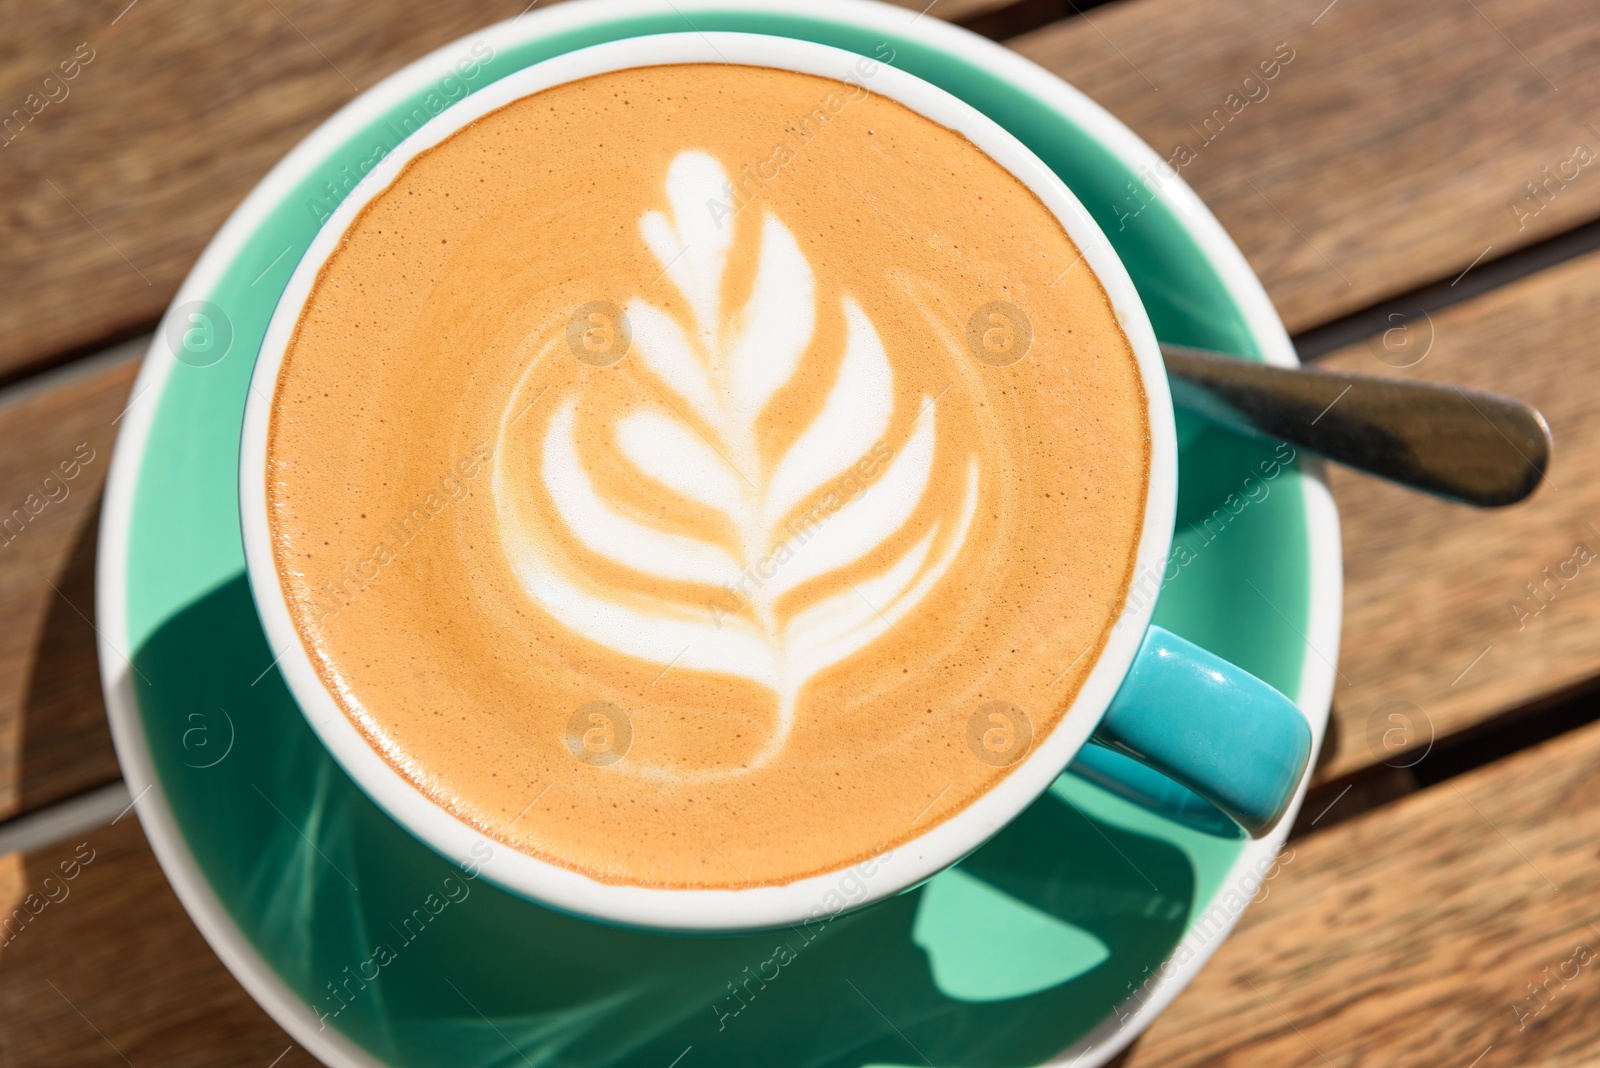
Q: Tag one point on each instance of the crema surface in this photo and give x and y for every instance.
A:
(706, 476)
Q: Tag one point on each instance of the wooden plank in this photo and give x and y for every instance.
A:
(1392, 149)
(1410, 936)
(106, 968)
(177, 111)
(1441, 629)
(55, 445)
(171, 115)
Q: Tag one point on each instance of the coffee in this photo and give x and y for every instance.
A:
(704, 475)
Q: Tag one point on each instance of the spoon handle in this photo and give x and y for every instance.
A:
(1479, 448)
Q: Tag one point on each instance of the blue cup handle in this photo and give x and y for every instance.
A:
(1213, 732)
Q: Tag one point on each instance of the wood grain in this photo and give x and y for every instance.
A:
(55, 445)
(1408, 936)
(108, 193)
(106, 968)
(1440, 627)
(111, 193)
(1387, 153)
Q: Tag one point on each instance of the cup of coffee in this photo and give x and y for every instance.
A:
(698, 471)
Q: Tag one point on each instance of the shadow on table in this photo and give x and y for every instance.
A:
(63, 744)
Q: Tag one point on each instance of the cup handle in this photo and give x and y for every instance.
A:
(1212, 729)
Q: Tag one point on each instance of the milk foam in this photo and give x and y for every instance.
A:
(726, 372)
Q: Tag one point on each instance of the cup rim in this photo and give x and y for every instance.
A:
(746, 908)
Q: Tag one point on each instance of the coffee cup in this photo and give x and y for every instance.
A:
(1197, 720)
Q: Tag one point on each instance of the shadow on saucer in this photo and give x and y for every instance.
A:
(1003, 961)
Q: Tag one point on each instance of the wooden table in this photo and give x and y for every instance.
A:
(1415, 186)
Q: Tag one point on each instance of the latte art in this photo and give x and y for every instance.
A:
(784, 621)
(800, 503)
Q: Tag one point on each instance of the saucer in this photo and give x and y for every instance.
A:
(1058, 941)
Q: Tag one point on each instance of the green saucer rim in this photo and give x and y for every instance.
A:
(1260, 332)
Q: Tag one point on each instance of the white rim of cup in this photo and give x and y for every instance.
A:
(757, 907)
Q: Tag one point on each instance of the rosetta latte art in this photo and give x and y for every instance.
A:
(716, 372)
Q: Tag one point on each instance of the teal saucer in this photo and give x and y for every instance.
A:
(1060, 939)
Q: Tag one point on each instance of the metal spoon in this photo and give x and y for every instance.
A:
(1479, 448)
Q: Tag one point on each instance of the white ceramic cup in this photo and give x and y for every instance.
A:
(696, 910)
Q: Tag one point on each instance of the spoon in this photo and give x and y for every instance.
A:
(1479, 448)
